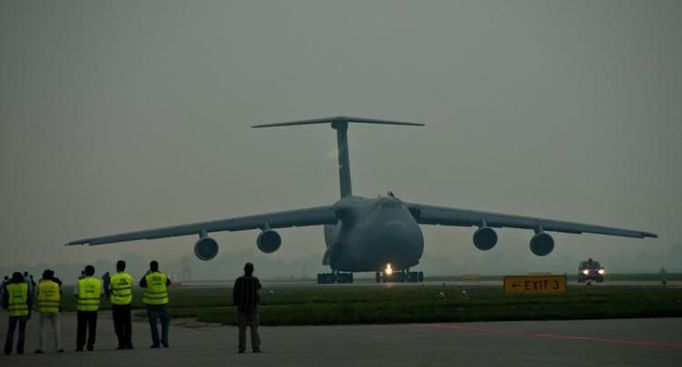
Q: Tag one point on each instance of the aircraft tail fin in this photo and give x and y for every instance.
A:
(340, 124)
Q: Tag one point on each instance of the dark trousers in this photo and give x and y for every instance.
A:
(155, 312)
(250, 319)
(86, 320)
(9, 341)
(122, 325)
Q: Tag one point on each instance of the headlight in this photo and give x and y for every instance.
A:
(389, 269)
(602, 271)
(586, 271)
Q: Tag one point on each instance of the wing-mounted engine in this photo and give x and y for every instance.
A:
(206, 248)
(541, 244)
(268, 241)
(485, 238)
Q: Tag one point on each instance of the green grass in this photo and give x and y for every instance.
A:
(376, 305)
(370, 305)
(656, 277)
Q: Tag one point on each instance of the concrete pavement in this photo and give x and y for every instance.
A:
(632, 342)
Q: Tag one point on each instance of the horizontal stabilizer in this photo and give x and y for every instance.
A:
(339, 119)
(340, 124)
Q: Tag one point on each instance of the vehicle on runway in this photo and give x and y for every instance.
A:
(366, 234)
(590, 270)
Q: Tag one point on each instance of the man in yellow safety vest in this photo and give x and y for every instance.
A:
(48, 300)
(155, 284)
(121, 296)
(17, 300)
(88, 292)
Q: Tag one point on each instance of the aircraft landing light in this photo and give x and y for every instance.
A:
(389, 269)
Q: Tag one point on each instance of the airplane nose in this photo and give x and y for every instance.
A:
(396, 233)
(395, 225)
(393, 240)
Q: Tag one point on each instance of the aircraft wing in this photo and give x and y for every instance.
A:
(429, 214)
(291, 218)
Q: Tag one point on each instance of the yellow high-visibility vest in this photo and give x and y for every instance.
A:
(89, 291)
(156, 292)
(121, 289)
(48, 296)
(18, 299)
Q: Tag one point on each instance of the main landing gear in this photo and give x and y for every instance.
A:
(403, 276)
(335, 277)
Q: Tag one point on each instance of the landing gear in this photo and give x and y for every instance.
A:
(404, 276)
(344, 277)
(326, 278)
(335, 277)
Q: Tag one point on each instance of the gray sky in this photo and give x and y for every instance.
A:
(125, 115)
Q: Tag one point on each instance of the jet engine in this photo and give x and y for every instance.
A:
(206, 248)
(542, 244)
(268, 241)
(485, 238)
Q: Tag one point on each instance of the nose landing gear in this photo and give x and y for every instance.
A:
(335, 277)
(403, 276)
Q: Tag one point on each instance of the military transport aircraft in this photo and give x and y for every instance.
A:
(380, 235)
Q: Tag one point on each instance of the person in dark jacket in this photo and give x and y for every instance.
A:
(17, 300)
(245, 297)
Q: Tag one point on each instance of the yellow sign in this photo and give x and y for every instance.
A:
(535, 284)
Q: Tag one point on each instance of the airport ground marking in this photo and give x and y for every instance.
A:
(642, 343)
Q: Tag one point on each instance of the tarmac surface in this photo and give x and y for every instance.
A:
(627, 342)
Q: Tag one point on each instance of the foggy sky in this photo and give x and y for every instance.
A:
(126, 115)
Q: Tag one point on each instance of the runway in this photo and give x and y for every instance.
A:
(628, 342)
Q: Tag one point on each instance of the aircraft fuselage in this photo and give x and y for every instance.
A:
(372, 233)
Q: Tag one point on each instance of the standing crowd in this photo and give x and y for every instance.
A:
(21, 294)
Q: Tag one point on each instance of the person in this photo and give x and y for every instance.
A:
(88, 291)
(245, 297)
(31, 284)
(17, 301)
(2, 287)
(106, 284)
(155, 297)
(48, 300)
(121, 296)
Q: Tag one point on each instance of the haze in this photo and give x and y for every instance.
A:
(125, 115)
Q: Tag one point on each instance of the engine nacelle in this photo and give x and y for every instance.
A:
(542, 244)
(485, 238)
(206, 248)
(269, 241)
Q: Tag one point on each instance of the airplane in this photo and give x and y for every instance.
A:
(380, 235)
